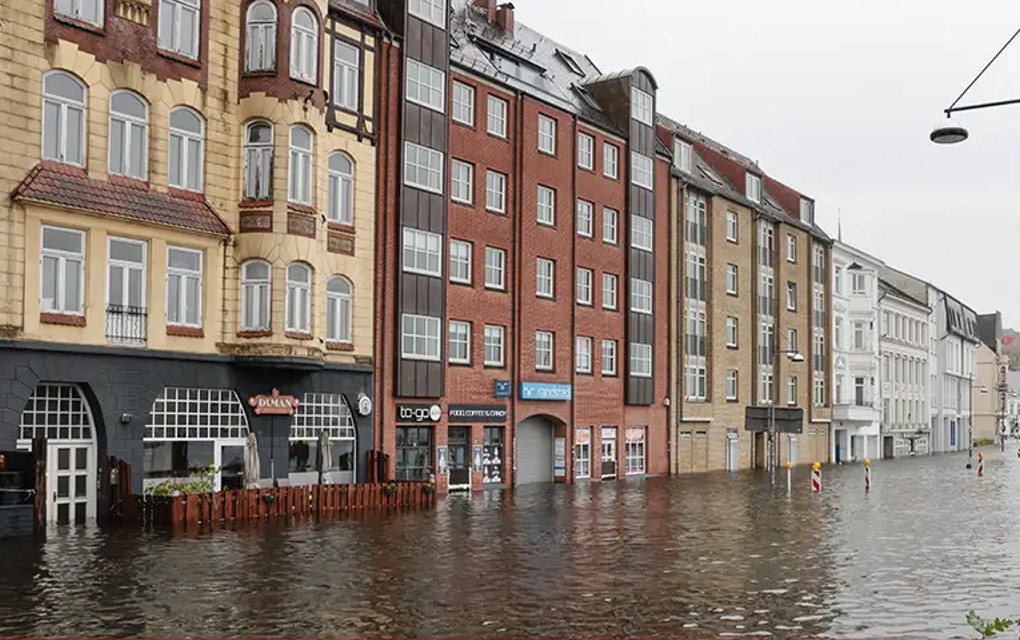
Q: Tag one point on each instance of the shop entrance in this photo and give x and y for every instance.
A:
(534, 450)
(459, 442)
(609, 453)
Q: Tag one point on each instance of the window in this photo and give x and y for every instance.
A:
(423, 167)
(791, 339)
(493, 345)
(837, 337)
(582, 457)
(339, 310)
(256, 295)
(125, 287)
(859, 283)
(546, 135)
(258, 161)
(129, 135)
(433, 11)
(609, 291)
(732, 326)
(463, 104)
(423, 252)
(641, 170)
(582, 354)
(63, 271)
(462, 181)
(642, 233)
(460, 261)
(419, 337)
(642, 107)
(634, 451)
(791, 296)
(791, 248)
(732, 384)
(609, 357)
(753, 187)
(732, 230)
(90, 11)
(426, 85)
(546, 206)
(346, 72)
(838, 279)
(495, 268)
(858, 335)
(178, 26)
(584, 279)
(341, 188)
(732, 279)
(496, 116)
(610, 161)
(807, 211)
(304, 45)
(63, 137)
(585, 151)
(610, 218)
(299, 298)
(460, 342)
(184, 287)
(682, 155)
(299, 181)
(260, 37)
(585, 214)
(640, 360)
(791, 390)
(545, 274)
(186, 142)
(543, 350)
(414, 452)
(495, 191)
(839, 392)
(640, 295)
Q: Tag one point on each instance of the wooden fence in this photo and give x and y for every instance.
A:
(226, 508)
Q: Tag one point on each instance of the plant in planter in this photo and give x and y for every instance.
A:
(429, 488)
(201, 481)
(390, 488)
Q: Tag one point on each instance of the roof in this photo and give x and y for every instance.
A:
(353, 9)
(900, 293)
(906, 284)
(65, 186)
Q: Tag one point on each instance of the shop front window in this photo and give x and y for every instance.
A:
(492, 456)
(635, 451)
(414, 453)
(318, 414)
(582, 453)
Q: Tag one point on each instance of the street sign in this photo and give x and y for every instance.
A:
(788, 419)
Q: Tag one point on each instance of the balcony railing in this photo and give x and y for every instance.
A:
(126, 325)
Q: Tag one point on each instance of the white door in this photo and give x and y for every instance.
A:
(608, 452)
(71, 483)
(732, 453)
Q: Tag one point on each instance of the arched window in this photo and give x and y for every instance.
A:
(339, 310)
(304, 45)
(187, 131)
(260, 37)
(178, 26)
(300, 179)
(90, 11)
(129, 135)
(63, 131)
(341, 188)
(258, 161)
(256, 294)
(299, 299)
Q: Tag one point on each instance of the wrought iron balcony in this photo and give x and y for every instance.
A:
(126, 325)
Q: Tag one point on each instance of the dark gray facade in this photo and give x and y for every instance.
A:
(121, 385)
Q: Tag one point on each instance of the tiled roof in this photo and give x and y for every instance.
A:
(65, 186)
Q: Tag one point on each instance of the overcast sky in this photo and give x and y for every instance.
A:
(837, 100)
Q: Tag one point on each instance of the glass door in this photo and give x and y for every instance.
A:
(231, 466)
(608, 453)
(71, 483)
(460, 457)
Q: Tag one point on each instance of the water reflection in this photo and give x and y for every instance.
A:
(715, 554)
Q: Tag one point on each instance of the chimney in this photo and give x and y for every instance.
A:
(488, 6)
(505, 18)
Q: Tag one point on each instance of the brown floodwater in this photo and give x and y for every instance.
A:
(719, 554)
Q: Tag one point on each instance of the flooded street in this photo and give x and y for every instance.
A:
(714, 554)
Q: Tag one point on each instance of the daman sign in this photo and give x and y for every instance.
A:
(273, 404)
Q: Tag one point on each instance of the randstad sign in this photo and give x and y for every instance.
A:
(546, 391)
(273, 404)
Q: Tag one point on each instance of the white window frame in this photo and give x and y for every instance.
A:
(752, 187)
(545, 207)
(496, 116)
(585, 151)
(494, 337)
(585, 279)
(583, 354)
(609, 357)
(172, 10)
(132, 127)
(495, 191)
(300, 167)
(732, 384)
(610, 160)
(424, 247)
(544, 349)
(585, 218)
(732, 226)
(791, 248)
(582, 457)
(641, 295)
(463, 330)
(184, 275)
(260, 292)
(418, 159)
(65, 108)
(610, 225)
(463, 103)
(340, 190)
(73, 9)
(304, 47)
(732, 279)
(430, 336)
(791, 390)
(341, 306)
(258, 163)
(642, 106)
(634, 455)
(495, 265)
(432, 11)
(683, 155)
(642, 233)
(791, 296)
(610, 291)
(346, 75)
(461, 258)
(732, 331)
(546, 134)
(640, 360)
(125, 267)
(260, 38)
(462, 181)
(298, 300)
(642, 170)
(189, 142)
(545, 274)
(425, 85)
(61, 257)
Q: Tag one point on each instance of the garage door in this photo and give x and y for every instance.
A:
(534, 451)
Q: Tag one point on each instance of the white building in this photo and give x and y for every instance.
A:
(1013, 403)
(855, 432)
(907, 360)
(957, 344)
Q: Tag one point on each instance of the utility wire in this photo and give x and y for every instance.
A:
(990, 63)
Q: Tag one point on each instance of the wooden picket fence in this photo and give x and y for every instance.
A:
(227, 508)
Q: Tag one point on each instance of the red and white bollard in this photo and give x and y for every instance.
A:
(789, 477)
(981, 464)
(867, 474)
(816, 476)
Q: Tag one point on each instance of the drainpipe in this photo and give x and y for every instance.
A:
(513, 274)
(568, 439)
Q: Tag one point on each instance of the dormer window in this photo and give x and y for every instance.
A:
(682, 155)
(807, 211)
(753, 184)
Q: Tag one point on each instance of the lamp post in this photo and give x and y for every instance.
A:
(795, 356)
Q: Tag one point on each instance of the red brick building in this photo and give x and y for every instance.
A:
(523, 245)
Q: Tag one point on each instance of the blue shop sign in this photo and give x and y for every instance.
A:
(502, 389)
(546, 391)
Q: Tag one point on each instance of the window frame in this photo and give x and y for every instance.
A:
(465, 90)
(495, 251)
(642, 233)
(454, 257)
(494, 330)
(732, 273)
(296, 288)
(612, 358)
(436, 11)
(343, 70)
(176, 8)
(587, 300)
(497, 203)
(590, 217)
(542, 207)
(415, 234)
(304, 47)
(466, 326)
(583, 346)
(642, 291)
(752, 187)
(413, 154)
(63, 106)
(642, 167)
(255, 32)
(342, 314)
(61, 256)
(256, 190)
(541, 262)
(610, 159)
(732, 377)
(340, 191)
(541, 352)
(419, 79)
(641, 109)
(637, 352)
(186, 137)
(615, 298)
(681, 150)
(791, 248)
(99, 5)
(183, 273)
(428, 323)
(547, 130)
(262, 291)
(492, 116)
(300, 167)
(585, 150)
(457, 184)
(129, 123)
(615, 217)
(732, 218)
(733, 323)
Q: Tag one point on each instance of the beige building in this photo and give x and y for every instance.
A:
(190, 222)
(750, 310)
(989, 394)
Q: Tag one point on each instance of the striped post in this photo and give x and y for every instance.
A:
(981, 464)
(867, 474)
(789, 476)
(816, 476)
